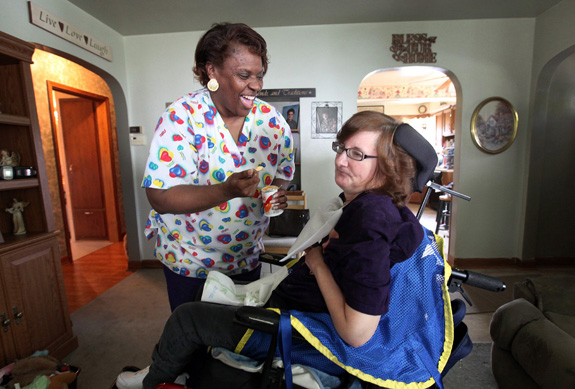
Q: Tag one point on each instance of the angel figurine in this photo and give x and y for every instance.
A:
(17, 217)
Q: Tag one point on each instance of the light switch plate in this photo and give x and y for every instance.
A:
(137, 140)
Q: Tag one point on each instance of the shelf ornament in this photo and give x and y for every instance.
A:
(17, 216)
(9, 158)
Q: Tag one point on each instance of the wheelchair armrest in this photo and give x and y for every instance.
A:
(259, 319)
(263, 320)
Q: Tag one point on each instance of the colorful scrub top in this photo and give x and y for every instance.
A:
(192, 146)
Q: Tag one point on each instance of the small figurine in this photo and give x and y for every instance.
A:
(8, 158)
(17, 217)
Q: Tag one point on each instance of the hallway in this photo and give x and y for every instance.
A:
(94, 273)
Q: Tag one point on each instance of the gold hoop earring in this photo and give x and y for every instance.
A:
(213, 85)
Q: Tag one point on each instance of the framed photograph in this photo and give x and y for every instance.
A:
(326, 119)
(494, 125)
(376, 108)
(291, 115)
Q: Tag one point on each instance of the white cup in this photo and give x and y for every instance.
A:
(267, 194)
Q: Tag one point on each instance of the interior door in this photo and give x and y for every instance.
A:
(80, 138)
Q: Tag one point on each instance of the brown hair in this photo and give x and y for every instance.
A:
(216, 44)
(396, 169)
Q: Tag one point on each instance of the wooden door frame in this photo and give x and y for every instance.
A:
(107, 153)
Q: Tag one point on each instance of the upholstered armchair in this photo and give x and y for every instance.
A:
(534, 335)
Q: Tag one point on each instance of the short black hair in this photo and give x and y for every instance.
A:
(216, 44)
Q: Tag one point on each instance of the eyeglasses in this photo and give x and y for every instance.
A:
(355, 154)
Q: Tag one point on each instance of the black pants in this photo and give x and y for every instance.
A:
(191, 328)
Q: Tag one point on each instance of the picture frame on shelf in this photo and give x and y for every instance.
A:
(494, 125)
(326, 119)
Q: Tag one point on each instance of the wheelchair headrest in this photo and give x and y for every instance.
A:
(421, 150)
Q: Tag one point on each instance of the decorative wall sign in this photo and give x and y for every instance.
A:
(375, 108)
(43, 19)
(290, 93)
(494, 125)
(326, 118)
(413, 48)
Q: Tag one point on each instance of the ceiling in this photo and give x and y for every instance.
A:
(141, 17)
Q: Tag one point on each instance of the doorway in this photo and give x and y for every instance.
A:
(87, 183)
(424, 97)
(549, 225)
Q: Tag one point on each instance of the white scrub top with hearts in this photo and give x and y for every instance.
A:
(192, 146)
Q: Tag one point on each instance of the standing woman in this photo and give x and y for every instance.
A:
(201, 176)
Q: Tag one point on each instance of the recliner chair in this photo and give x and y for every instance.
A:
(534, 335)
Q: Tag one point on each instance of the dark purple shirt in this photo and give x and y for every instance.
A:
(374, 234)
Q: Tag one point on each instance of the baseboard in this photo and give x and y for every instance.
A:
(512, 262)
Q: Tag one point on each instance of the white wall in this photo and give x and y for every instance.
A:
(488, 57)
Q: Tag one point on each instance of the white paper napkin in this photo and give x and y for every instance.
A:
(320, 225)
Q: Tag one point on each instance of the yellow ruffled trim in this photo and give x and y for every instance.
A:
(449, 326)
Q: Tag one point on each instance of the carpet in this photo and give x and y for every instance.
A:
(472, 372)
(120, 327)
(484, 301)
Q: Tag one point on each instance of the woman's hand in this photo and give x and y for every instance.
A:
(280, 197)
(314, 260)
(242, 184)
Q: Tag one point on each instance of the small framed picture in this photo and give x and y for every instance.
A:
(291, 115)
(326, 119)
(494, 125)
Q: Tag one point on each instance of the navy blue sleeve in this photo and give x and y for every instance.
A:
(373, 235)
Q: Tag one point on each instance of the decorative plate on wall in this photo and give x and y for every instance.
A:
(494, 125)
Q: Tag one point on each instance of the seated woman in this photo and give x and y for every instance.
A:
(344, 285)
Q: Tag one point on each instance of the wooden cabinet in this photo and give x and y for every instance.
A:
(34, 299)
(33, 305)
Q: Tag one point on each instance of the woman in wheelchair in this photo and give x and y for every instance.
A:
(371, 300)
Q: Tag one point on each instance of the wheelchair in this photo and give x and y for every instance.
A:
(217, 374)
